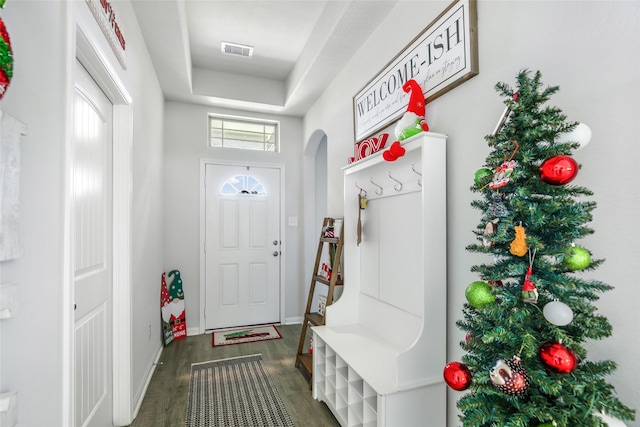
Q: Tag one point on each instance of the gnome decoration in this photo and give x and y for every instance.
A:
(172, 307)
(529, 291)
(411, 123)
(165, 311)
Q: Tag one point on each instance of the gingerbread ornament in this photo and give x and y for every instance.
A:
(518, 246)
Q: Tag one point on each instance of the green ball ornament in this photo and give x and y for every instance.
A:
(482, 177)
(577, 258)
(479, 294)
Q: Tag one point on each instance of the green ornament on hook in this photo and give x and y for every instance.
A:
(577, 258)
(6, 59)
(479, 294)
(482, 177)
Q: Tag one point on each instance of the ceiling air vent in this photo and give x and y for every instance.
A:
(237, 49)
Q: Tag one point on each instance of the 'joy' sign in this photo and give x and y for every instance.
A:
(367, 147)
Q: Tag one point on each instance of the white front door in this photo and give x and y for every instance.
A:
(242, 235)
(91, 252)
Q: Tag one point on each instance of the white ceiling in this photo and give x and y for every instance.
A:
(299, 47)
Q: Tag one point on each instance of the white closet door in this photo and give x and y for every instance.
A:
(91, 252)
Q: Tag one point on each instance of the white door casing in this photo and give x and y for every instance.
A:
(91, 242)
(91, 56)
(242, 245)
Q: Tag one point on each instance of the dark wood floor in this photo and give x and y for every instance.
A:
(165, 403)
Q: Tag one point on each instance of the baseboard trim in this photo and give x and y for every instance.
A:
(293, 320)
(143, 392)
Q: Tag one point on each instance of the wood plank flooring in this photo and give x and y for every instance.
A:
(165, 403)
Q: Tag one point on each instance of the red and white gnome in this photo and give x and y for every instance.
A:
(411, 123)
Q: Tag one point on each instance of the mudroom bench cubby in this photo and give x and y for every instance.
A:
(379, 357)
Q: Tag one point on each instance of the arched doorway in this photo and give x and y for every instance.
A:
(314, 198)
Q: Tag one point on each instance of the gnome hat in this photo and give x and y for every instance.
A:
(416, 102)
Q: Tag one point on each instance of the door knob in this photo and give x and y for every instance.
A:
(275, 243)
(275, 253)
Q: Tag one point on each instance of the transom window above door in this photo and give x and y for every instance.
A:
(242, 184)
(243, 133)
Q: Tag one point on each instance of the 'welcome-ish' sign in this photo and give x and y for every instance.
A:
(440, 58)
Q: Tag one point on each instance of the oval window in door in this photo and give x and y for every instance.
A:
(242, 184)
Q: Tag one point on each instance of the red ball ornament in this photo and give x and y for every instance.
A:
(558, 358)
(457, 376)
(558, 170)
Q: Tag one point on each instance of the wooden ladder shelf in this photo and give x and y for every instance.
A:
(311, 315)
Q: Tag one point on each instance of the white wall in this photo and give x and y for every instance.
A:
(185, 146)
(32, 353)
(38, 328)
(591, 49)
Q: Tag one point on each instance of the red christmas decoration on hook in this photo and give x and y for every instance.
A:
(502, 174)
(558, 170)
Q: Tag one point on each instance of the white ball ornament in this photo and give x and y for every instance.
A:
(580, 134)
(558, 313)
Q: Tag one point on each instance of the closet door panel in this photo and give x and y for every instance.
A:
(401, 279)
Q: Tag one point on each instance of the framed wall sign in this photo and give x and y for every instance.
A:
(443, 56)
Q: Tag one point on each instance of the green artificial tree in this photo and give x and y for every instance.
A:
(532, 310)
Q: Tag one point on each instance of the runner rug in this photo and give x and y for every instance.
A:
(243, 335)
(236, 392)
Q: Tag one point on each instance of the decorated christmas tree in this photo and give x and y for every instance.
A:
(532, 309)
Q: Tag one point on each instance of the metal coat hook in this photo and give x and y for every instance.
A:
(397, 186)
(379, 189)
(413, 168)
(364, 192)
